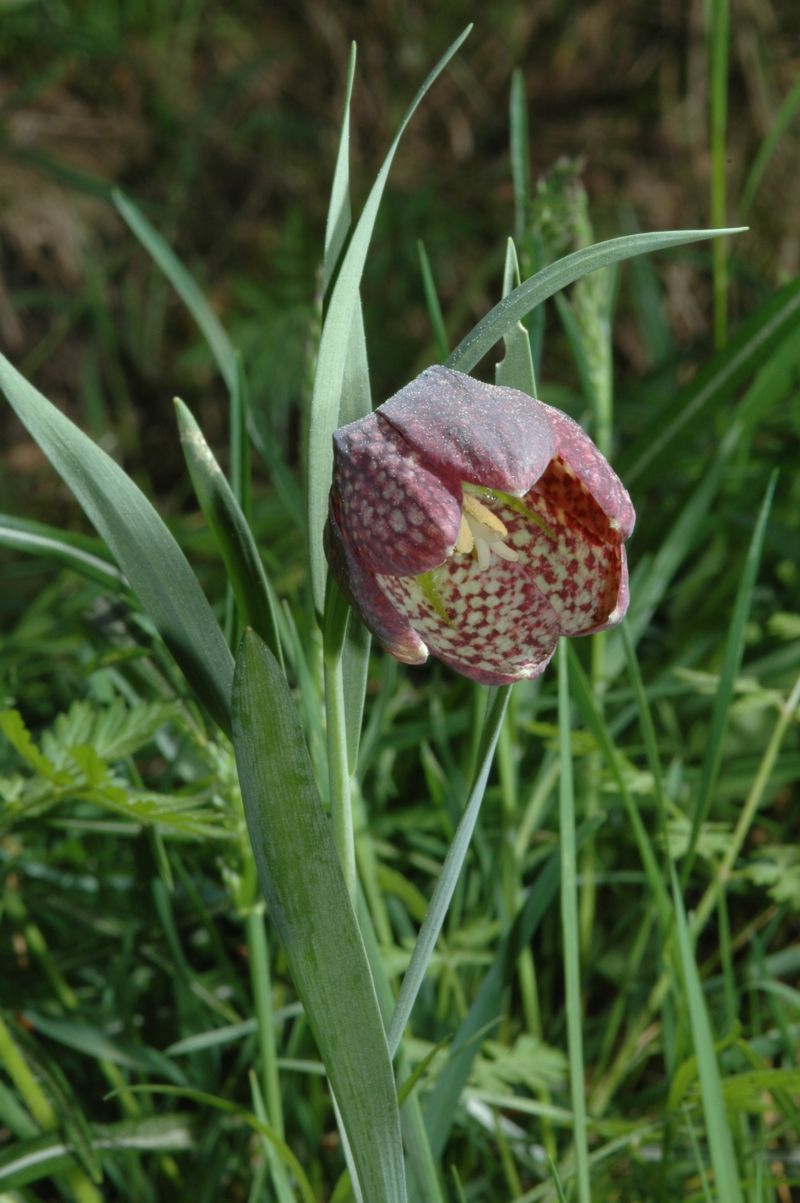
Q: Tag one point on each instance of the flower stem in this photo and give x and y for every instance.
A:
(569, 920)
(262, 999)
(341, 804)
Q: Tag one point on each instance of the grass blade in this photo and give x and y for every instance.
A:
(652, 576)
(142, 545)
(569, 922)
(751, 346)
(184, 284)
(34, 538)
(720, 1142)
(520, 159)
(49, 1156)
(446, 884)
(441, 1103)
(331, 360)
(432, 304)
(254, 595)
(558, 275)
(309, 905)
(339, 213)
(781, 123)
(723, 696)
(595, 722)
(515, 369)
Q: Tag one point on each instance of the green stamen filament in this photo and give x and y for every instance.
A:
(430, 591)
(513, 503)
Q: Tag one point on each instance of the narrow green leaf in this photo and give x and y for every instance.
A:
(520, 159)
(723, 1157)
(184, 284)
(571, 954)
(254, 594)
(331, 360)
(205, 1099)
(652, 576)
(486, 1009)
(78, 552)
(515, 369)
(558, 275)
(241, 476)
(338, 222)
(451, 869)
(94, 1042)
(53, 547)
(348, 676)
(309, 905)
(227, 360)
(596, 723)
(49, 1156)
(716, 383)
(783, 119)
(355, 673)
(723, 698)
(432, 303)
(147, 553)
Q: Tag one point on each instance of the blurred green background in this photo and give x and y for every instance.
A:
(221, 119)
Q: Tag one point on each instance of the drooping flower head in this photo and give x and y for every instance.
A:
(473, 522)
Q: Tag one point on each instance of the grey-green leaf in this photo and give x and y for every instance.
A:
(558, 275)
(254, 595)
(142, 545)
(310, 908)
(334, 344)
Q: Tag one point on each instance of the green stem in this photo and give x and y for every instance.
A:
(39, 1106)
(597, 344)
(569, 920)
(334, 630)
(17, 1069)
(339, 772)
(262, 997)
(38, 946)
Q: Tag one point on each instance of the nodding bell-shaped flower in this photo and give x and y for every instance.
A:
(473, 522)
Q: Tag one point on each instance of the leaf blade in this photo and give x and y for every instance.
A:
(551, 279)
(334, 342)
(142, 545)
(309, 904)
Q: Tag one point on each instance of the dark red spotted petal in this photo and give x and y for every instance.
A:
(395, 511)
(578, 573)
(494, 626)
(468, 431)
(596, 476)
(620, 607)
(359, 586)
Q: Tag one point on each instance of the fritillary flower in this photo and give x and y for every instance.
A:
(472, 522)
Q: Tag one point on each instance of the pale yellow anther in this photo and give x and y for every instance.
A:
(481, 513)
(465, 541)
(481, 533)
